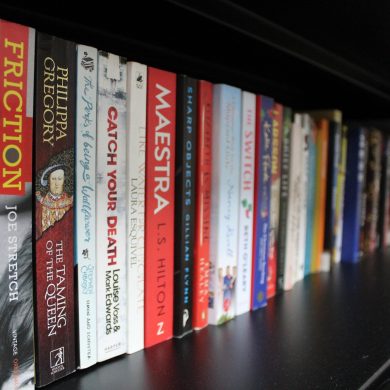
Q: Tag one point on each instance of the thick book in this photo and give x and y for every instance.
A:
(185, 190)
(247, 187)
(159, 205)
(111, 206)
(224, 202)
(262, 200)
(85, 205)
(200, 294)
(55, 114)
(284, 195)
(17, 49)
(277, 127)
(136, 149)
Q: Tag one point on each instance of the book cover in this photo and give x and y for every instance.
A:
(159, 205)
(284, 195)
(203, 206)
(247, 186)
(111, 206)
(185, 189)
(85, 204)
(17, 50)
(224, 202)
(55, 114)
(136, 149)
(261, 220)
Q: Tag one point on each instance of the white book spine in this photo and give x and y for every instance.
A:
(111, 207)
(293, 215)
(136, 143)
(224, 202)
(305, 128)
(85, 226)
(245, 229)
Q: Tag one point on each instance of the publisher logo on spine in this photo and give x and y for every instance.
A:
(57, 359)
(139, 80)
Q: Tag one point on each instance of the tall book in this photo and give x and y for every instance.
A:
(136, 149)
(203, 206)
(384, 203)
(17, 49)
(111, 206)
(224, 202)
(284, 195)
(85, 210)
(159, 205)
(55, 114)
(277, 127)
(247, 187)
(353, 197)
(261, 220)
(185, 188)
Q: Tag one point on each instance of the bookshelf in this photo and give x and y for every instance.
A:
(332, 329)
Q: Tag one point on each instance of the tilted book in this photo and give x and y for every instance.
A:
(85, 210)
(111, 207)
(185, 190)
(247, 187)
(224, 202)
(159, 205)
(136, 149)
(55, 111)
(203, 206)
(17, 49)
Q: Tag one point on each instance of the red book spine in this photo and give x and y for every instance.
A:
(203, 203)
(159, 206)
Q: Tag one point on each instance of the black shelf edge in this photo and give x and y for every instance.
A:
(258, 28)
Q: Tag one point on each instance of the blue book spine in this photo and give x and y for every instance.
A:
(350, 251)
(262, 195)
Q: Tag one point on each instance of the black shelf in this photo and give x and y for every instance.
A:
(330, 331)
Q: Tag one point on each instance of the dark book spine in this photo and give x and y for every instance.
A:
(55, 91)
(384, 202)
(185, 179)
(284, 192)
(16, 275)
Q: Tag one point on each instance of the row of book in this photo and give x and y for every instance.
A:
(161, 203)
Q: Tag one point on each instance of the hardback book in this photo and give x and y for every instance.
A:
(225, 197)
(55, 114)
(373, 175)
(136, 149)
(159, 205)
(277, 132)
(17, 48)
(353, 197)
(185, 190)
(247, 187)
(339, 216)
(261, 220)
(284, 196)
(200, 295)
(384, 203)
(111, 206)
(85, 205)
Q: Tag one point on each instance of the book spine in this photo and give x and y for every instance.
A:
(275, 198)
(111, 206)
(55, 102)
(356, 157)
(159, 205)
(203, 206)
(136, 149)
(185, 163)
(384, 211)
(247, 183)
(264, 108)
(85, 205)
(17, 52)
(224, 202)
(284, 195)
